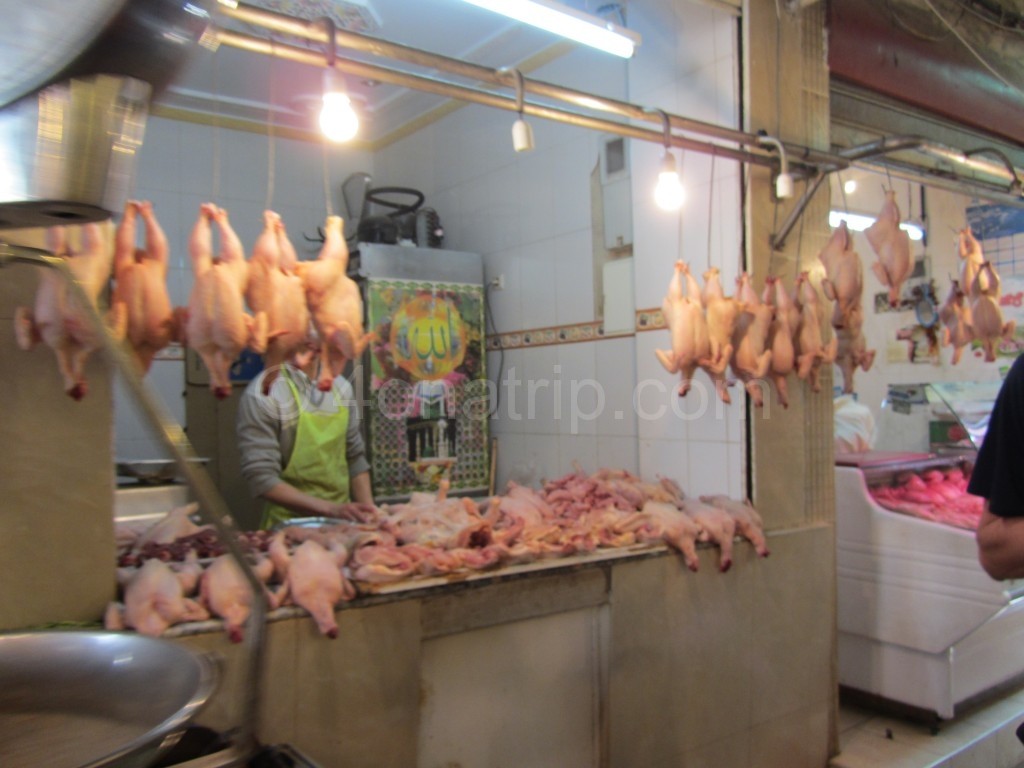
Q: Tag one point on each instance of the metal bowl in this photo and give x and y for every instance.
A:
(96, 699)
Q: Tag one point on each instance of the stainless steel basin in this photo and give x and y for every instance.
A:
(96, 699)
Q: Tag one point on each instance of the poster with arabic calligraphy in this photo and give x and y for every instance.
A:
(428, 391)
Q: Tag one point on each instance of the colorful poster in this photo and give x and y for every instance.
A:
(429, 401)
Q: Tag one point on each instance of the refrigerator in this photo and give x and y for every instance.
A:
(425, 394)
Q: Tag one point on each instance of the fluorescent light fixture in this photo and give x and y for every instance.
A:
(567, 22)
(859, 223)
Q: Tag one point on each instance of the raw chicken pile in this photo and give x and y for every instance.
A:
(939, 496)
(269, 304)
(164, 581)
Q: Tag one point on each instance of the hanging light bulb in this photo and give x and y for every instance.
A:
(784, 181)
(669, 193)
(338, 120)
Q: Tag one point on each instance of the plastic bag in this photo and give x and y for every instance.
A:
(854, 426)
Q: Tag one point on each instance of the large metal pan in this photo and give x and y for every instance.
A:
(96, 699)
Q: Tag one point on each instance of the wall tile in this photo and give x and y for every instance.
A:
(159, 165)
(582, 396)
(619, 453)
(537, 265)
(509, 398)
(577, 451)
(708, 467)
(665, 458)
(574, 277)
(615, 369)
(505, 304)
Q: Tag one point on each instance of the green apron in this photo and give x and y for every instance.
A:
(318, 464)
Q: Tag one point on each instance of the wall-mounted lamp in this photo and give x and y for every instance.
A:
(338, 120)
(522, 131)
(669, 194)
(784, 181)
(568, 22)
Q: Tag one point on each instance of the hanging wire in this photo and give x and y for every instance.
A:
(271, 156)
(215, 194)
(711, 200)
(971, 48)
(327, 180)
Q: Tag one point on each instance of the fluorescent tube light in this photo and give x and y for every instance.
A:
(859, 223)
(567, 22)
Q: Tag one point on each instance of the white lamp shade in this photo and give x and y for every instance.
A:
(522, 136)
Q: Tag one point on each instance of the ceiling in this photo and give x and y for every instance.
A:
(232, 83)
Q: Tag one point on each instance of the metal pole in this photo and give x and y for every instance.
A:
(284, 24)
(212, 508)
(485, 98)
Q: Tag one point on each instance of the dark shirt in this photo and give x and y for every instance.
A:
(999, 472)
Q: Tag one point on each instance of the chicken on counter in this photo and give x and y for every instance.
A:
(892, 247)
(155, 600)
(275, 288)
(218, 326)
(226, 592)
(313, 579)
(955, 314)
(335, 304)
(688, 331)
(57, 319)
(140, 284)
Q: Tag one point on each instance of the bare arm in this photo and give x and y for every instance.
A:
(290, 497)
(360, 489)
(1001, 545)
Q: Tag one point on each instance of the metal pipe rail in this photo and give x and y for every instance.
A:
(807, 161)
(212, 508)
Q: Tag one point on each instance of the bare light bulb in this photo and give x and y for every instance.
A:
(669, 193)
(338, 120)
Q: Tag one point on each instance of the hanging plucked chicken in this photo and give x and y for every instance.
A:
(892, 247)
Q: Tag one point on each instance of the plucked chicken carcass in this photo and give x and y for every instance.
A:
(972, 256)
(851, 350)
(688, 331)
(226, 592)
(811, 349)
(153, 601)
(721, 312)
(986, 315)
(678, 529)
(312, 579)
(955, 313)
(716, 525)
(56, 318)
(748, 521)
(844, 275)
(218, 326)
(335, 305)
(275, 288)
(140, 284)
(785, 322)
(892, 247)
(751, 357)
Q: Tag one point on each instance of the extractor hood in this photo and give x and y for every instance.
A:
(76, 81)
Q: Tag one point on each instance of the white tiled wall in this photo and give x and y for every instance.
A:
(529, 215)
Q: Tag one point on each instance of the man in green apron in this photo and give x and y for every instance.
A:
(301, 449)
